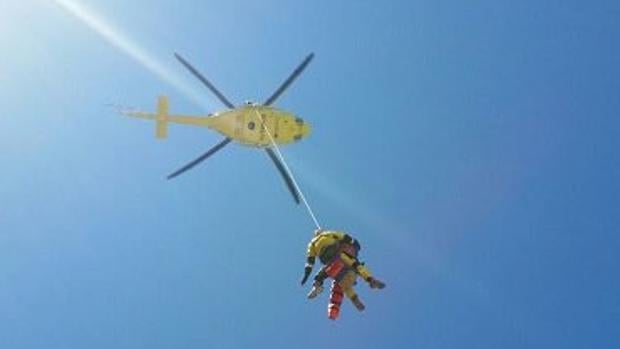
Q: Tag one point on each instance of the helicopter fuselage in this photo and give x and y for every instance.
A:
(247, 124)
(256, 125)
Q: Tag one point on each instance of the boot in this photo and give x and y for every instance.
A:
(333, 311)
(374, 283)
(316, 290)
(358, 303)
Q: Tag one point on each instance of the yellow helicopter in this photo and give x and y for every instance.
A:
(251, 124)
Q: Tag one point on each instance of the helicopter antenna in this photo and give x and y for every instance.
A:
(288, 170)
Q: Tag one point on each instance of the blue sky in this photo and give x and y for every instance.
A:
(472, 148)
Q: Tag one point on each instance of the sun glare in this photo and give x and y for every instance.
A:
(124, 44)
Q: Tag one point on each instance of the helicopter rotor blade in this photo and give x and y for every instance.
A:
(201, 158)
(289, 80)
(204, 80)
(287, 179)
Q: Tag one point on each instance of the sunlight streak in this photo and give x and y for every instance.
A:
(123, 43)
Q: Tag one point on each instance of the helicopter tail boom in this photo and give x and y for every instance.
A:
(162, 118)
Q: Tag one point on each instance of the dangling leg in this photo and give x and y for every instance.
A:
(361, 270)
(317, 286)
(335, 300)
(347, 283)
(355, 299)
(330, 270)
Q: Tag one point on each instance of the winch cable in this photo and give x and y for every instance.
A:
(288, 170)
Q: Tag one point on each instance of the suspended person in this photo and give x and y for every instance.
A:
(338, 252)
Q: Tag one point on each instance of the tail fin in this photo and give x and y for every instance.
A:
(161, 126)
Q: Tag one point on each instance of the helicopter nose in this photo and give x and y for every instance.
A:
(303, 128)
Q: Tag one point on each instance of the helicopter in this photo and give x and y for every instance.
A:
(250, 124)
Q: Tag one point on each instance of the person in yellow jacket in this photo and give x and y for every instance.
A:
(338, 252)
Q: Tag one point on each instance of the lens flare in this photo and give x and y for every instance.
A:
(133, 50)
